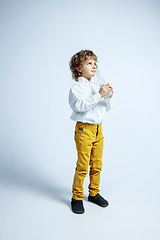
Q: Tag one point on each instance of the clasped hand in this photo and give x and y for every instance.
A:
(105, 88)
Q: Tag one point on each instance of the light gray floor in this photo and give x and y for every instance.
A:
(37, 206)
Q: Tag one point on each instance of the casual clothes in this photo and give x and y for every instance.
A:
(86, 102)
(89, 111)
(89, 144)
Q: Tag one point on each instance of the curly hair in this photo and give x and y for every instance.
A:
(77, 61)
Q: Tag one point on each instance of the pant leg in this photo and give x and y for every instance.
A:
(83, 140)
(96, 163)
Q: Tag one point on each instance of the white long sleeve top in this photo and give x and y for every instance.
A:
(86, 102)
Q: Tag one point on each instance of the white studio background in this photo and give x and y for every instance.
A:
(38, 155)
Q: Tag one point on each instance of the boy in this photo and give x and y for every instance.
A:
(89, 107)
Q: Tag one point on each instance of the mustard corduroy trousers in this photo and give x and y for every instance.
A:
(89, 144)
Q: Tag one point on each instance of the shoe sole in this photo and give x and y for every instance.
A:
(78, 212)
(98, 204)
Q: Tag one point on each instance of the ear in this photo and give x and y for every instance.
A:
(79, 69)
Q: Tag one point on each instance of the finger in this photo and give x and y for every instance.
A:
(105, 84)
(110, 86)
(106, 88)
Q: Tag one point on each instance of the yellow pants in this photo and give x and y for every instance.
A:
(89, 144)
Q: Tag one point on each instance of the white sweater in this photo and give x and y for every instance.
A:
(86, 102)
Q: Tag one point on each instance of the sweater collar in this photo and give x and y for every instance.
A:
(83, 79)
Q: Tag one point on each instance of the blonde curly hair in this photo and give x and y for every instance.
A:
(77, 61)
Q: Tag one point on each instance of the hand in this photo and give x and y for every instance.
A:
(111, 89)
(105, 89)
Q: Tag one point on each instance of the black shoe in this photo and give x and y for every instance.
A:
(99, 200)
(77, 206)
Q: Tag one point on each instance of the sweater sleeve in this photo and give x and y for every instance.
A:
(79, 103)
(108, 103)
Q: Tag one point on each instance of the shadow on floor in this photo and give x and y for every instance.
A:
(30, 180)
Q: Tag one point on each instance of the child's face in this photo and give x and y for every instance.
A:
(89, 69)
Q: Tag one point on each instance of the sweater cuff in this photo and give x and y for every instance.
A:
(97, 97)
(107, 100)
